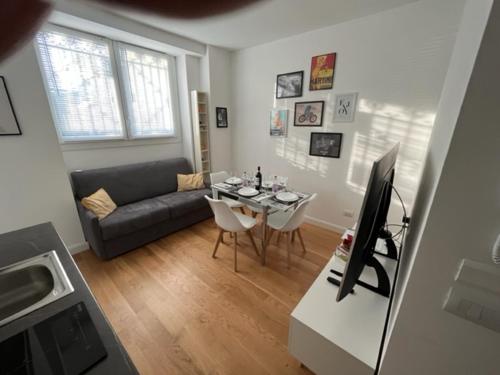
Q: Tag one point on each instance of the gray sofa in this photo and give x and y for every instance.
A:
(149, 205)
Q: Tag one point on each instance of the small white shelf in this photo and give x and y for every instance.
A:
(200, 124)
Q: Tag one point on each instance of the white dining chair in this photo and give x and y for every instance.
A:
(233, 222)
(288, 223)
(218, 177)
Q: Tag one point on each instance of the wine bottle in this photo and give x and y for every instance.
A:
(258, 179)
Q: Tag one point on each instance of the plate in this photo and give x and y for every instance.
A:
(287, 197)
(234, 181)
(248, 192)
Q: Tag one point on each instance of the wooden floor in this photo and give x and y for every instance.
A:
(179, 311)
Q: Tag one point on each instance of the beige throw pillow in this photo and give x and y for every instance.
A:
(186, 182)
(100, 203)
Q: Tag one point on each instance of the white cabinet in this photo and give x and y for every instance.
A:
(201, 128)
(343, 337)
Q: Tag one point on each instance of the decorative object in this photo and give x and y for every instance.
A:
(8, 119)
(309, 113)
(289, 85)
(326, 144)
(279, 122)
(322, 70)
(221, 114)
(345, 107)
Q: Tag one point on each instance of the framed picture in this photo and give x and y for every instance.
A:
(325, 144)
(309, 113)
(221, 115)
(289, 85)
(279, 122)
(345, 107)
(322, 70)
(8, 119)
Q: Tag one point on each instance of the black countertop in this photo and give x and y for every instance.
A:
(29, 242)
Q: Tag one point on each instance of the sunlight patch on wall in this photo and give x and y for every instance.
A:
(390, 124)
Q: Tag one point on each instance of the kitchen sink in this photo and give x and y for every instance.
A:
(31, 284)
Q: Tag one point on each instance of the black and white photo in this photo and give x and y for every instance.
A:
(289, 85)
(221, 114)
(326, 144)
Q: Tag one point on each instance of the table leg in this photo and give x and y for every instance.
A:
(264, 235)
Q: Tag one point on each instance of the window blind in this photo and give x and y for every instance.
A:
(147, 91)
(80, 85)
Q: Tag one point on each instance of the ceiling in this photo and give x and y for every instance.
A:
(266, 21)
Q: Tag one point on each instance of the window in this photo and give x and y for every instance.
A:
(94, 96)
(147, 91)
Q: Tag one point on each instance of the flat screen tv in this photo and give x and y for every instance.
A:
(371, 227)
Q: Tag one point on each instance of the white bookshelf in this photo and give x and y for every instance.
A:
(201, 131)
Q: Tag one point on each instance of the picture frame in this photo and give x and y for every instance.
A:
(221, 117)
(279, 122)
(327, 145)
(309, 114)
(289, 85)
(345, 107)
(8, 119)
(322, 71)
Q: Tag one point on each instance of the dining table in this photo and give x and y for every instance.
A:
(265, 201)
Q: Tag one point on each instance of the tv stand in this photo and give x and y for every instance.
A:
(384, 285)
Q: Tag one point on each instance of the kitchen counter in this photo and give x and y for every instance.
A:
(28, 242)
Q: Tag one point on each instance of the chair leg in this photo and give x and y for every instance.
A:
(301, 240)
(253, 242)
(254, 214)
(242, 210)
(231, 234)
(279, 238)
(288, 247)
(235, 252)
(219, 240)
(293, 236)
(270, 235)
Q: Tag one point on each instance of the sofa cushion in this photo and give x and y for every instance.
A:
(184, 202)
(133, 217)
(131, 183)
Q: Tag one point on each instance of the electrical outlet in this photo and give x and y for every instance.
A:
(348, 213)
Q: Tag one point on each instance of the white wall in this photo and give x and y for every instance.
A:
(397, 61)
(33, 182)
(474, 19)
(87, 156)
(216, 80)
(463, 222)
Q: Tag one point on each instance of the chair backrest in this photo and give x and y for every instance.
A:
(224, 216)
(218, 177)
(298, 216)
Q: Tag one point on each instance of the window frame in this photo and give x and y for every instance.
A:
(172, 78)
(127, 139)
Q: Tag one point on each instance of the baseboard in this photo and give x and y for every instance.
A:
(78, 248)
(325, 224)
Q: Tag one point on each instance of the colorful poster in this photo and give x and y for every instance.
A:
(322, 69)
(279, 122)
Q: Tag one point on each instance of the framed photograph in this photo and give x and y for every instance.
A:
(221, 115)
(309, 113)
(279, 122)
(289, 85)
(345, 107)
(322, 71)
(8, 119)
(325, 144)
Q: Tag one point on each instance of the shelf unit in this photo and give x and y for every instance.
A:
(201, 132)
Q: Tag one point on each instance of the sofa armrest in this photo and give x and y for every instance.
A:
(91, 228)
